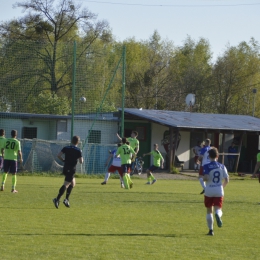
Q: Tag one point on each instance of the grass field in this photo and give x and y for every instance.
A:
(166, 220)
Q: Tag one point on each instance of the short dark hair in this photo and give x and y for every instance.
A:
(135, 132)
(213, 153)
(75, 139)
(119, 144)
(14, 133)
(208, 141)
(128, 143)
(123, 140)
(2, 132)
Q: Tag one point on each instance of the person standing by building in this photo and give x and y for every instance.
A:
(70, 155)
(114, 167)
(216, 178)
(125, 152)
(2, 140)
(196, 151)
(157, 159)
(10, 151)
(204, 158)
(257, 166)
(231, 158)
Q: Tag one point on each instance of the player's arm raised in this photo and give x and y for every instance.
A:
(118, 136)
(146, 154)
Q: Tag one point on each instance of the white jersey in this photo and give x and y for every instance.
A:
(116, 160)
(197, 150)
(205, 153)
(216, 172)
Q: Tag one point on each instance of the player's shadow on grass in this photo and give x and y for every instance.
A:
(102, 235)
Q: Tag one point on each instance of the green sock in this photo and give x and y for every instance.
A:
(149, 179)
(129, 179)
(4, 178)
(13, 182)
(126, 181)
(152, 177)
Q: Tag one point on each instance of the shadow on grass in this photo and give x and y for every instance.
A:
(102, 235)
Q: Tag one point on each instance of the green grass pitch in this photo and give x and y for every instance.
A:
(166, 220)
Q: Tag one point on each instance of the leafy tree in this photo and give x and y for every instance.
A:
(41, 45)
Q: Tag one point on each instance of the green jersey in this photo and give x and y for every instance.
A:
(125, 153)
(2, 143)
(11, 146)
(157, 157)
(258, 157)
(134, 143)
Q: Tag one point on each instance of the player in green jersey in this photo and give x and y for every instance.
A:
(2, 140)
(125, 151)
(12, 148)
(134, 143)
(157, 158)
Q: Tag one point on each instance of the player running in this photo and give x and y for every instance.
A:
(157, 159)
(72, 155)
(12, 148)
(204, 158)
(125, 152)
(214, 174)
(2, 140)
(115, 166)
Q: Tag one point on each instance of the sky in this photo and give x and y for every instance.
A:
(221, 22)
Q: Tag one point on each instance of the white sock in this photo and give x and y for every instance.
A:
(210, 221)
(202, 183)
(121, 179)
(219, 212)
(107, 176)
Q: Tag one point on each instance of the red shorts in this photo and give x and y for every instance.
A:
(196, 158)
(113, 168)
(213, 201)
(201, 171)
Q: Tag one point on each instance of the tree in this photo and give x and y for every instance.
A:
(44, 36)
(235, 74)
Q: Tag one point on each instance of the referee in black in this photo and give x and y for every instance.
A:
(70, 155)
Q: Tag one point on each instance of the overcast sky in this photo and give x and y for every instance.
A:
(221, 22)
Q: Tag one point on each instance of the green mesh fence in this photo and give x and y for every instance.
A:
(49, 93)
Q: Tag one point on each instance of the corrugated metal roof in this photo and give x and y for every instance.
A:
(197, 120)
(110, 116)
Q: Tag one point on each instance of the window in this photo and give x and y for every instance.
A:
(62, 126)
(141, 133)
(29, 132)
(94, 136)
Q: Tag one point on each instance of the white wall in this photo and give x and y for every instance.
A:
(183, 151)
(108, 130)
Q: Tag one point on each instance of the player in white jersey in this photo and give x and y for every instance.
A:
(214, 174)
(204, 158)
(115, 166)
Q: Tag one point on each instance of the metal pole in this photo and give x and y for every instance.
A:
(123, 92)
(73, 87)
(254, 92)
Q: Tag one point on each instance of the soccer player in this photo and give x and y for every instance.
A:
(2, 140)
(196, 151)
(204, 158)
(257, 166)
(157, 159)
(134, 143)
(125, 152)
(11, 149)
(72, 155)
(115, 166)
(214, 174)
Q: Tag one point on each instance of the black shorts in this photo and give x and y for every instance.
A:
(69, 174)
(126, 168)
(10, 166)
(153, 168)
